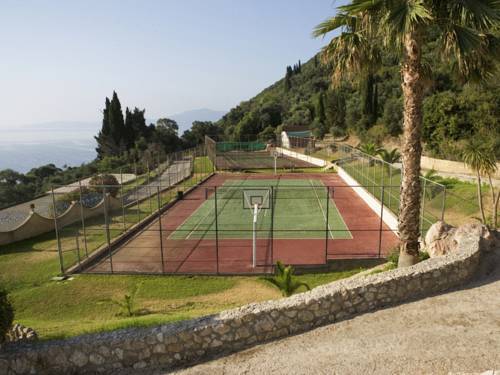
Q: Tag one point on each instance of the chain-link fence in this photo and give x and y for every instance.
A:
(229, 226)
(91, 216)
(374, 173)
(248, 155)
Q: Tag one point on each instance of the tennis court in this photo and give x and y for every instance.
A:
(294, 208)
(308, 220)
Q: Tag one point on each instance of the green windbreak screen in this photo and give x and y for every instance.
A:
(240, 146)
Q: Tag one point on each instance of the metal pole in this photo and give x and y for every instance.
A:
(83, 220)
(137, 192)
(56, 228)
(149, 189)
(161, 232)
(390, 185)
(216, 232)
(422, 209)
(106, 227)
(77, 249)
(381, 219)
(272, 225)
(254, 237)
(443, 207)
(121, 199)
(327, 222)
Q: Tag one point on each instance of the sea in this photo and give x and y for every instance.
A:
(25, 148)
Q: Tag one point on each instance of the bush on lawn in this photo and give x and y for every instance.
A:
(109, 181)
(6, 314)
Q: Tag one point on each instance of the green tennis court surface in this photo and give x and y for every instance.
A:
(299, 208)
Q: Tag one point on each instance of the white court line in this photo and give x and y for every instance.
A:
(321, 207)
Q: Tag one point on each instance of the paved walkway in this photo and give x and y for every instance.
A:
(457, 332)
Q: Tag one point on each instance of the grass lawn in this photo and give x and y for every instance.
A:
(299, 208)
(460, 200)
(85, 303)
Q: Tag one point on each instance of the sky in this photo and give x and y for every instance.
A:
(60, 59)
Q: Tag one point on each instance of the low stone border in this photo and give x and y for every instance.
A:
(172, 345)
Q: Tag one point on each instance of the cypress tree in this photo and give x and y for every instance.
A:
(116, 123)
(106, 145)
(375, 104)
(320, 108)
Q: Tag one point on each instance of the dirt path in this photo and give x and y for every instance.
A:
(457, 332)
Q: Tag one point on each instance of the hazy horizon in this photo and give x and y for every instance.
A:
(60, 60)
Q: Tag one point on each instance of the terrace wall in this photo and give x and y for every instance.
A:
(36, 224)
(172, 345)
(306, 158)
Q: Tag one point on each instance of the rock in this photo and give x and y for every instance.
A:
(78, 358)
(18, 332)
(488, 239)
(442, 238)
(439, 239)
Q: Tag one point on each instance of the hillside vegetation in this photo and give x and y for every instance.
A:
(371, 109)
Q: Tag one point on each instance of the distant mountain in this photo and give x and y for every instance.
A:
(185, 119)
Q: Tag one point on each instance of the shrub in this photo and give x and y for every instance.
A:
(285, 280)
(111, 184)
(6, 314)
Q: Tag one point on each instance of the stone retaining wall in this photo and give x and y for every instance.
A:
(171, 345)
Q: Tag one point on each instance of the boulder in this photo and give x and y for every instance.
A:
(18, 332)
(439, 239)
(488, 237)
(442, 238)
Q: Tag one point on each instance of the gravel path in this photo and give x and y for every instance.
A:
(456, 332)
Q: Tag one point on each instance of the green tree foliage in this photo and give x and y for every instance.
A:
(6, 314)
(199, 129)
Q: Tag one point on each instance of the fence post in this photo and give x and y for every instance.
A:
(121, 199)
(161, 231)
(83, 220)
(106, 227)
(422, 209)
(381, 223)
(137, 192)
(77, 248)
(272, 225)
(216, 232)
(56, 228)
(390, 185)
(327, 222)
(443, 206)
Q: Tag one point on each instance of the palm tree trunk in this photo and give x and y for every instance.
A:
(480, 197)
(409, 206)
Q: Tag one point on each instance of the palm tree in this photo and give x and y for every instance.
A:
(390, 157)
(285, 280)
(370, 149)
(464, 29)
(481, 160)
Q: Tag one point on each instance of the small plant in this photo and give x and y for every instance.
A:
(423, 255)
(393, 257)
(285, 280)
(127, 303)
(6, 314)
